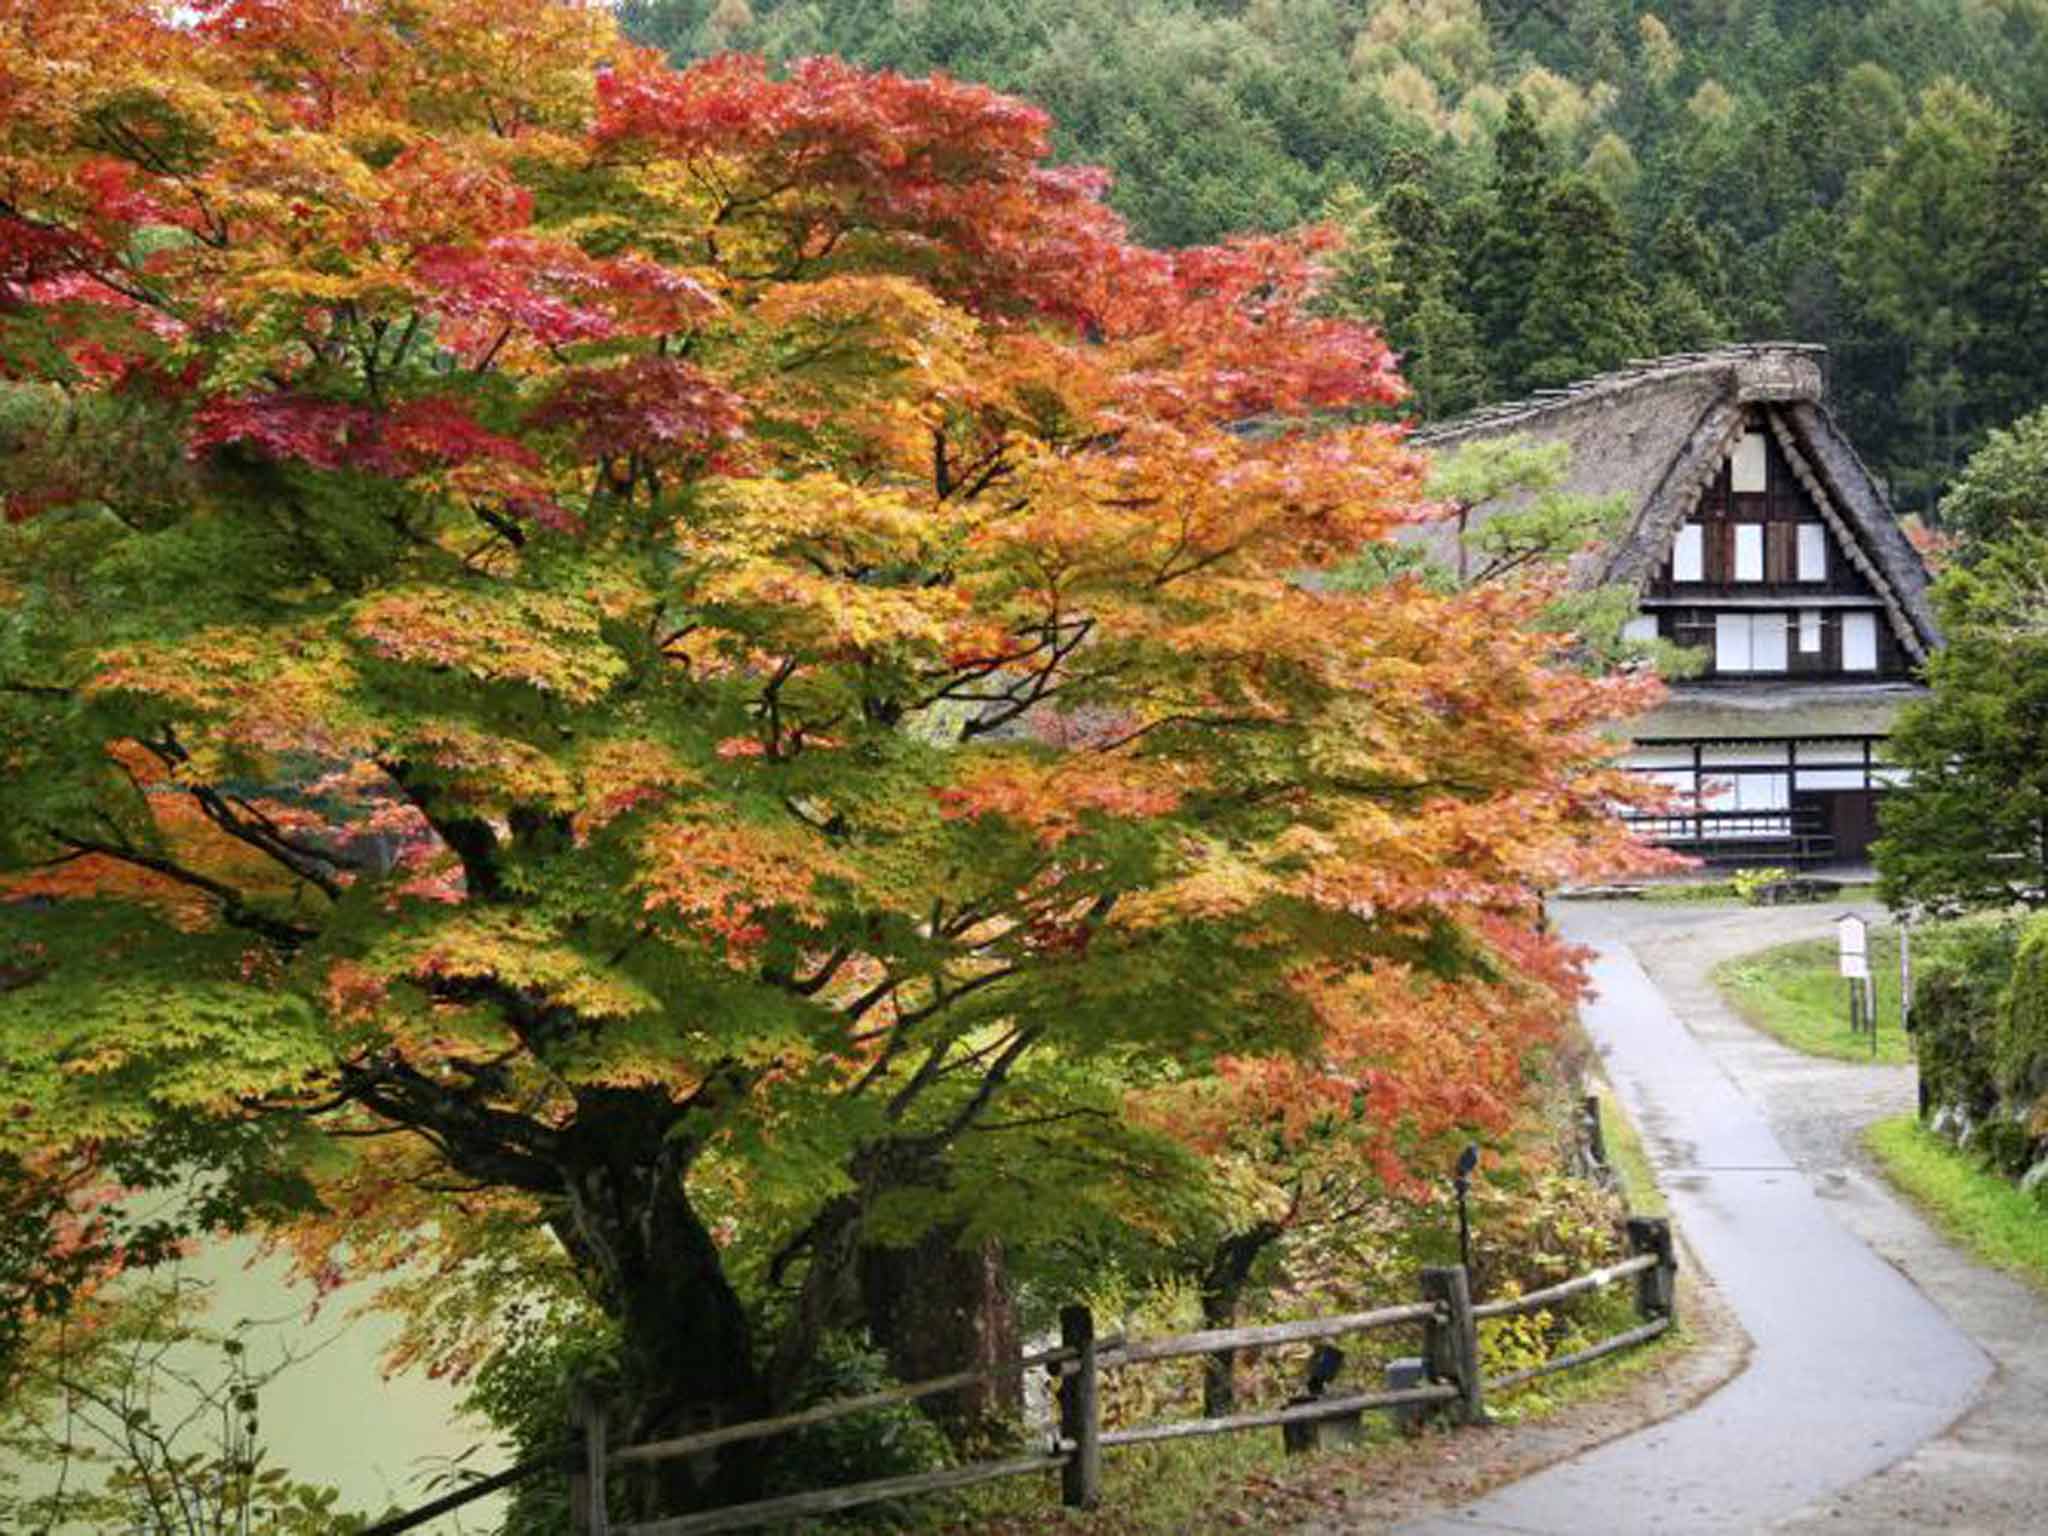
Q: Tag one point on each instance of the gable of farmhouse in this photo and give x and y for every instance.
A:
(1756, 535)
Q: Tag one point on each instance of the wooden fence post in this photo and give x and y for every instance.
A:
(1080, 1412)
(587, 1515)
(1450, 1343)
(1656, 1289)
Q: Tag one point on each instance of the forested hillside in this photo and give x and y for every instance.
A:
(1868, 175)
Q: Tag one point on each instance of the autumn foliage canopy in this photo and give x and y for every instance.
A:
(721, 653)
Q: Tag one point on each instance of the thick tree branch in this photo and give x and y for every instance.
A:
(1031, 691)
(258, 831)
(473, 841)
(236, 911)
(991, 1084)
(477, 1140)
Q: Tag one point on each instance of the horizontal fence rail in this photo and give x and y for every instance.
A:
(1305, 1413)
(828, 1501)
(825, 1413)
(1513, 1305)
(1587, 1356)
(1453, 1385)
(469, 1493)
(1181, 1345)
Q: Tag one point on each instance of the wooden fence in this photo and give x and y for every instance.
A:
(1450, 1354)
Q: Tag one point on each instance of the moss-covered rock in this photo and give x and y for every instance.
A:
(2004, 1144)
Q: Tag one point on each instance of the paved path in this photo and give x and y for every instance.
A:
(1853, 1367)
(1987, 1475)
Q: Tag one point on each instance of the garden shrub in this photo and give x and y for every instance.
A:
(893, 1440)
(2021, 1045)
(1750, 884)
(1960, 975)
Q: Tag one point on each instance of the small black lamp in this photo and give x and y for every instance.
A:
(1468, 1160)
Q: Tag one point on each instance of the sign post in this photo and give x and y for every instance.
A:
(1852, 960)
(1905, 972)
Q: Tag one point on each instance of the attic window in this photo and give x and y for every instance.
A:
(1688, 557)
(1749, 551)
(1746, 471)
(1859, 642)
(1813, 552)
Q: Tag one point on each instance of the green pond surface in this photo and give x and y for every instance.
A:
(333, 1417)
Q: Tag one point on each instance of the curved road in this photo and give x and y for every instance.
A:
(1853, 1369)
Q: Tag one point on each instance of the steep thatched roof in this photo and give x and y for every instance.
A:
(1658, 431)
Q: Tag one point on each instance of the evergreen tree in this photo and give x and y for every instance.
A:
(1689, 292)
(1398, 273)
(1443, 357)
(670, 25)
(2003, 488)
(1418, 229)
(1913, 263)
(2009, 364)
(1585, 310)
(1510, 249)
(1970, 828)
(1367, 282)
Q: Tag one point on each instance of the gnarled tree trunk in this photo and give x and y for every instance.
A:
(687, 1360)
(937, 1307)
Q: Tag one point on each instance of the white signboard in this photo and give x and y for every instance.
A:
(1852, 936)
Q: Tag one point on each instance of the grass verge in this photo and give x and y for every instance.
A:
(1668, 892)
(1793, 993)
(1538, 1400)
(1628, 1158)
(1992, 1217)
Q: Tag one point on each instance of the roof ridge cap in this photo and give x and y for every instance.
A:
(1634, 373)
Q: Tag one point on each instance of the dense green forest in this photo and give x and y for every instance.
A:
(1544, 188)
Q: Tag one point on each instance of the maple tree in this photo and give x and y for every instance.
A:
(650, 679)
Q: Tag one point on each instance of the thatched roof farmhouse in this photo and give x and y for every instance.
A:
(1757, 535)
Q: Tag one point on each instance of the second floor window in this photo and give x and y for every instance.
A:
(1749, 642)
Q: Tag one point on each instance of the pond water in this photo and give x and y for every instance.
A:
(332, 1417)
